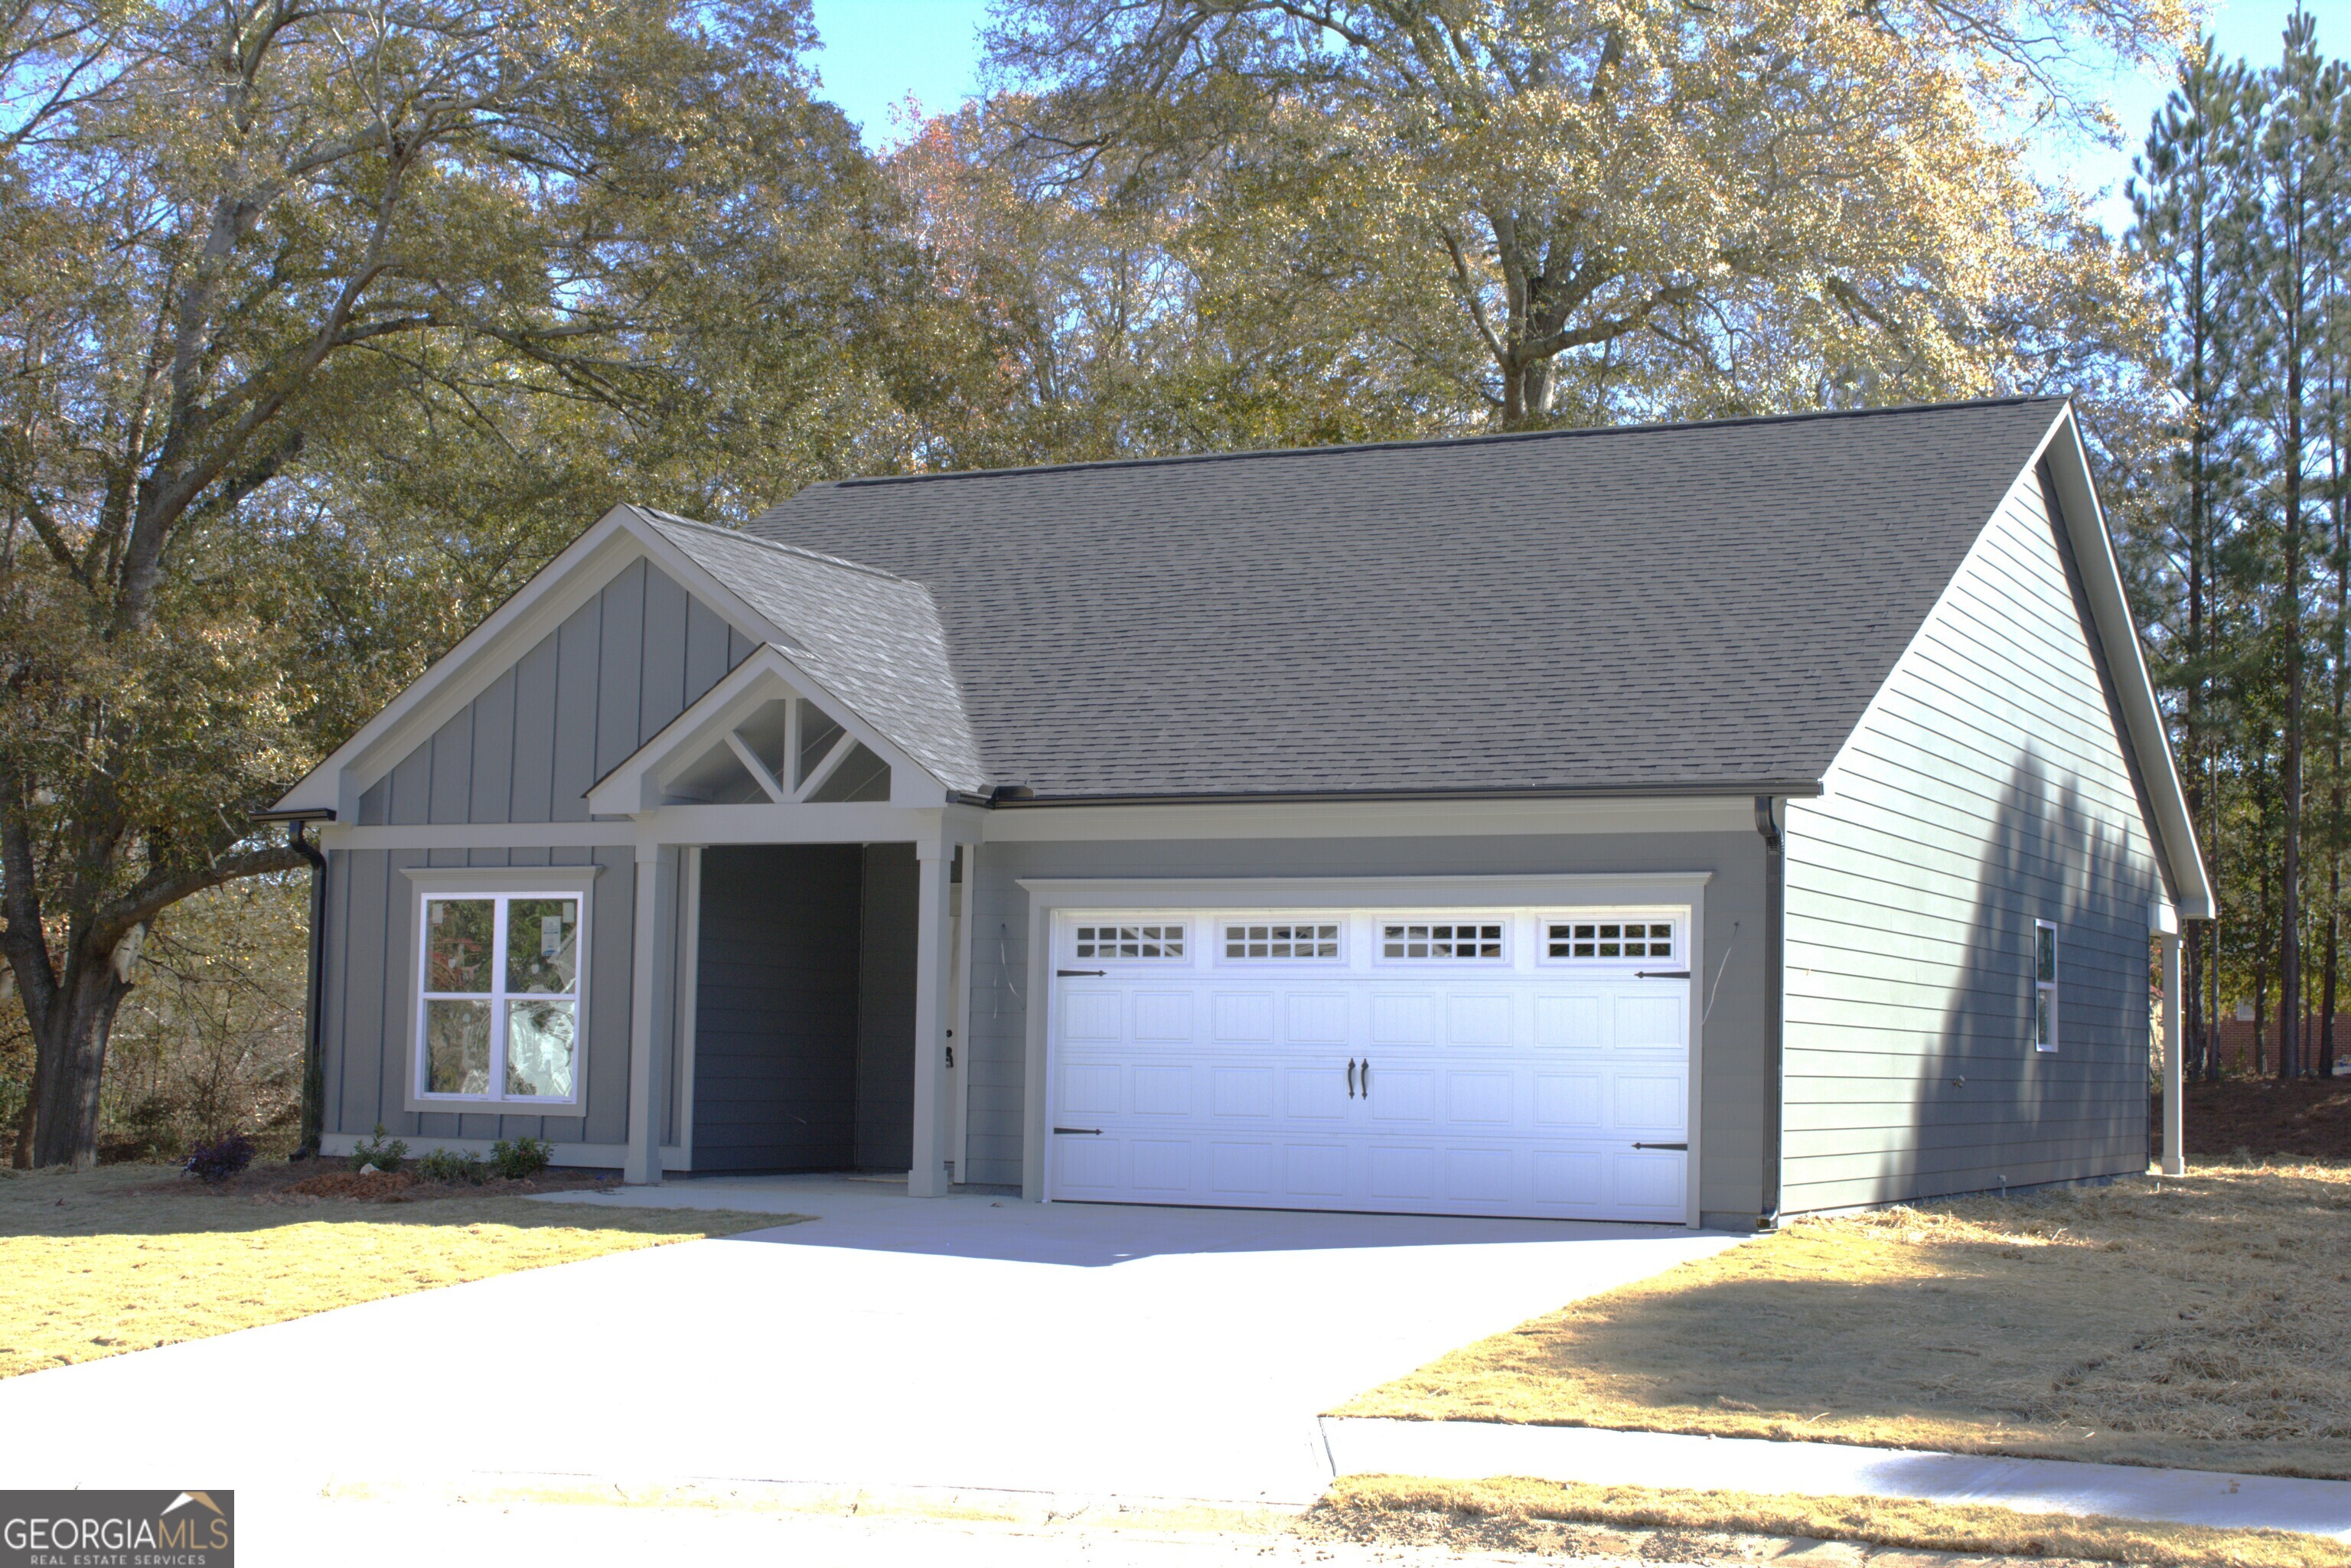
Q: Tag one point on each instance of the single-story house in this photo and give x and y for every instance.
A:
(1695, 824)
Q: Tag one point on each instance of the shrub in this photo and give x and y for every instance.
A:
(220, 1159)
(448, 1165)
(383, 1153)
(518, 1159)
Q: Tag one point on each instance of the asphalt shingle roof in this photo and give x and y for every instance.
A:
(873, 639)
(1692, 607)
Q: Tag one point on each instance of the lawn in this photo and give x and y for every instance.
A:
(1567, 1520)
(96, 1263)
(2192, 1323)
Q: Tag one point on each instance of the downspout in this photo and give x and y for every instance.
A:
(314, 1057)
(1769, 818)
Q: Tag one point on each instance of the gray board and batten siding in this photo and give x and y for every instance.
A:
(583, 698)
(1987, 787)
(1731, 1071)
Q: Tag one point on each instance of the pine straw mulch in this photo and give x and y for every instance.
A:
(282, 1180)
(2260, 1118)
(2195, 1322)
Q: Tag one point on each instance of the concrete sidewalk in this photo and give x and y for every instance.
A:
(1477, 1450)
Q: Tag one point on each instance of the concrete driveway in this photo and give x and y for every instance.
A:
(966, 1342)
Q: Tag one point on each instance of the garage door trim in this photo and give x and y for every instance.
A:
(1050, 896)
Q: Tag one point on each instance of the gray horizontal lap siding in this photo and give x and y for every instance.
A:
(586, 695)
(1987, 788)
(1732, 1090)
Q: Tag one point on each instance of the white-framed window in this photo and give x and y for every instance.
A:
(500, 978)
(2045, 986)
(1411, 940)
(1247, 940)
(1154, 940)
(1611, 938)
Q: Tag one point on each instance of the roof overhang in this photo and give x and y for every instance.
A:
(634, 784)
(617, 539)
(2068, 459)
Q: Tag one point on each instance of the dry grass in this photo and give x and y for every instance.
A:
(2195, 1322)
(99, 1262)
(1514, 1515)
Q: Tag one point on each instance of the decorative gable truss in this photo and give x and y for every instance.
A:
(787, 751)
(771, 734)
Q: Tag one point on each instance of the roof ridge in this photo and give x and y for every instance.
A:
(2016, 400)
(777, 544)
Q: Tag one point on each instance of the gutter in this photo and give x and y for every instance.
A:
(1021, 795)
(314, 1057)
(1770, 822)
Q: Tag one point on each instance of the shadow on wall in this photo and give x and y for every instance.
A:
(1991, 1111)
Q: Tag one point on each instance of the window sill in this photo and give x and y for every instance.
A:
(470, 1105)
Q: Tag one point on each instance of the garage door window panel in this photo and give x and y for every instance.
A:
(1139, 941)
(1442, 941)
(1591, 940)
(1282, 941)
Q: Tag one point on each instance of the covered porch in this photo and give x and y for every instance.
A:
(797, 940)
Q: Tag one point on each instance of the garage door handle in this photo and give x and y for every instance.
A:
(1683, 1147)
(1068, 972)
(1641, 974)
(1367, 1078)
(1350, 1078)
(1089, 1131)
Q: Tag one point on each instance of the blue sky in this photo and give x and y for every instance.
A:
(878, 51)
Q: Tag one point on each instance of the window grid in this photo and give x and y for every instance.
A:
(2044, 985)
(498, 1018)
(1442, 939)
(1282, 939)
(1130, 941)
(1604, 940)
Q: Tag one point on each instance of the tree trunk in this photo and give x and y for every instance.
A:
(71, 1036)
(2289, 964)
(2260, 1020)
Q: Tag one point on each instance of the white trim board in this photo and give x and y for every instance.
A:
(1363, 892)
(617, 540)
(427, 883)
(1373, 819)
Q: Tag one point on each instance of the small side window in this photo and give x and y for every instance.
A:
(2045, 986)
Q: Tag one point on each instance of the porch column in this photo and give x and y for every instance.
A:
(649, 987)
(928, 1178)
(2175, 1115)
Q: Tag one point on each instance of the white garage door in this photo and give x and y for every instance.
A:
(1478, 1061)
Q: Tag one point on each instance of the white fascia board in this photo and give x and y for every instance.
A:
(2102, 576)
(633, 785)
(1373, 819)
(618, 540)
(1491, 892)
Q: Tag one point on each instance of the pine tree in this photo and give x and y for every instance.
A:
(2292, 180)
(2181, 195)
